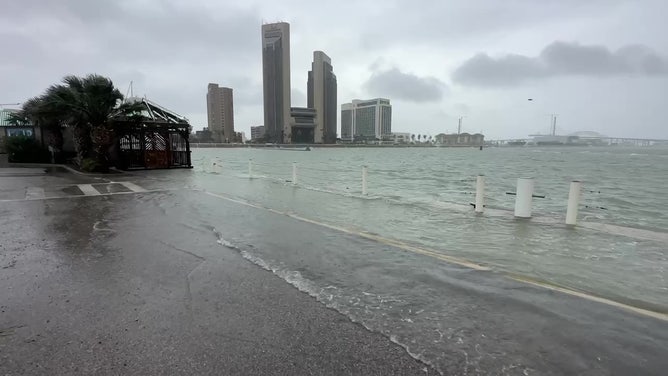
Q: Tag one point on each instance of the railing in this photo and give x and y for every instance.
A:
(300, 176)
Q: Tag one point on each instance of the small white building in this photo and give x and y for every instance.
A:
(401, 137)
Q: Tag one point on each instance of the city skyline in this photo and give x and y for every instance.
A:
(601, 65)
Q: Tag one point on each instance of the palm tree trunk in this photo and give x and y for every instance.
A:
(55, 142)
(102, 137)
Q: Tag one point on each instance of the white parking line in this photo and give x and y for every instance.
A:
(88, 190)
(33, 193)
(132, 186)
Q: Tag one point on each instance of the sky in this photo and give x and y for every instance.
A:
(599, 65)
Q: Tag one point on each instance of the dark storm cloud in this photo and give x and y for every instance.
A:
(169, 50)
(394, 84)
(560, 59)
(432, 22)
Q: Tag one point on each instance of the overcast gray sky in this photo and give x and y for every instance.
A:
(601, 65)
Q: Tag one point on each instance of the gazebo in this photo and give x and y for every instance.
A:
(156, 138)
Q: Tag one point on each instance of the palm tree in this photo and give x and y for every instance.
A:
(89, 104)
(419, 136)
(413, 138)
(36, 112)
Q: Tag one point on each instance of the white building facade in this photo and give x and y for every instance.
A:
(366, 120)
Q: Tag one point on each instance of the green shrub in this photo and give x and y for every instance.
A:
(90, 165)
(25, 149)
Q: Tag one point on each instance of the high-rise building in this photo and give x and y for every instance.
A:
(220, 111)
(366, 120)
(347, 133)
(257, 132)
(322, 97)
(276, 81)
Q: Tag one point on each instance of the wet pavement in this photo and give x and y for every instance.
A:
(141, 274)
(112, 284)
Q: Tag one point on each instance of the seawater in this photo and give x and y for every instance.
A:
(422, 196)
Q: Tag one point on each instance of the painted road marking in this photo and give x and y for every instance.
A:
(132, 186)
(98, 195)
(33, 193)
(428, 252)
(88, 190)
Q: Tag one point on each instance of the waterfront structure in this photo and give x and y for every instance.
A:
(365, 120)
(401, 138)
(276, 81)
(8, 129)
(322, 97)
(159, 138)
(302, 125)
(257, 132)
(220, 111)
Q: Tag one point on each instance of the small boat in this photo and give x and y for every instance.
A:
(517, 143)
(296, 148)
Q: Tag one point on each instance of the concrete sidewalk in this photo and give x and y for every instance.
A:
(94, 286)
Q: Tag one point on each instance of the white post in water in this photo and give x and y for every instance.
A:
(364, 175)
(523, 197)
(480, 194)
(250, 168)
(216, 167)
(573, 203)
(294, 173)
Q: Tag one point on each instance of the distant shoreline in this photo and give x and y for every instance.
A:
(272, 146)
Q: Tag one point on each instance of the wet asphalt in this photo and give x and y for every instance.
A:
(113, 285)
(137, 283)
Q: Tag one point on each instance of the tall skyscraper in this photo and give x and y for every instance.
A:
(366, 120)
(276, 81)
(220, 111)
(322, 97)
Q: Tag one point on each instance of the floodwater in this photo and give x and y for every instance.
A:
(421, 197)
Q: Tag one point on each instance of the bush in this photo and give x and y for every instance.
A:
(25, 149)
(90, 165)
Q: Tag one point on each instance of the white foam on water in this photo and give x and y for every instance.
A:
(330, 296)
(222, 241)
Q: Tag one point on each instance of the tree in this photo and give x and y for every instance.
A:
(419, 136)
(89, 105)
(36, 112)
(413, 138)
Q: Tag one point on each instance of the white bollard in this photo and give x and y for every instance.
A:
(480, 194)
(250, 168)
(364, 176)
(294, 173)
(523, 197)
(573, 203)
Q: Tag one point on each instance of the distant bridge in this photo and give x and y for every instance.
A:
(630, 141)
